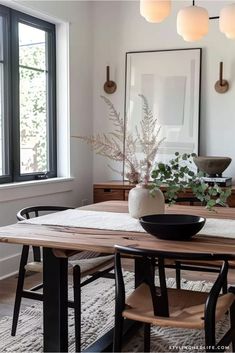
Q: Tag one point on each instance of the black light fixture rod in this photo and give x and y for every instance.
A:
(214, 18)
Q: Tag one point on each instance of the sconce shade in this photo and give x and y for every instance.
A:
(155, 11)
(227, 21)
(192, 23)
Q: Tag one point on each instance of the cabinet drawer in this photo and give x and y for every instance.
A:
(126, 194)
(108, 194)
(231, 200)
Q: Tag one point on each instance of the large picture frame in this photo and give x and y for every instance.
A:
(171, 82)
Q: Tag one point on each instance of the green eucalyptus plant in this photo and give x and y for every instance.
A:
(177, 176)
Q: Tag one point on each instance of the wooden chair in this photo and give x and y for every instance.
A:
(88, 265)
(178, 308)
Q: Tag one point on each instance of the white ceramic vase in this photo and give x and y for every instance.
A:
(142, 203)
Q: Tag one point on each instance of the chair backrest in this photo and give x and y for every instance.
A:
(34, 211)
(153, 258)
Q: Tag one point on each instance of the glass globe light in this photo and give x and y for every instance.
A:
(155, 11)
(227, 21)
(192, 23)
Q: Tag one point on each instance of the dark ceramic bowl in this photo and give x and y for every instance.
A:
(213, 166)
(172, 226)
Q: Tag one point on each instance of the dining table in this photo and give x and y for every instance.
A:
(57, 240)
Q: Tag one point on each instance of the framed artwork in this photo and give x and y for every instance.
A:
(170, 81)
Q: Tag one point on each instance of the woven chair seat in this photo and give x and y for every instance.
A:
(94, 264)
(186, 308)
(87, 266)
(34, 266)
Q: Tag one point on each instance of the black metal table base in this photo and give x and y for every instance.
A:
(55, 299)
(55, 308)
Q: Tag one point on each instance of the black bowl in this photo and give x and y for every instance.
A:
(172, 226)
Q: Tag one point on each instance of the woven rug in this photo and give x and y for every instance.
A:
(97, 318)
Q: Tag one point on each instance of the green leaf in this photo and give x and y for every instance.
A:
(211, 203)
(191, 173)
(177, 177)
(161, 166)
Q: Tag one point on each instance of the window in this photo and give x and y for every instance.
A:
(27, 97)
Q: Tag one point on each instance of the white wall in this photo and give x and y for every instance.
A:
(101, 32)
(120, 28)
(78, 14)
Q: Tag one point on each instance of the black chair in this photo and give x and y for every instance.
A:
(89, 264)
(210, 267)
(162, 306)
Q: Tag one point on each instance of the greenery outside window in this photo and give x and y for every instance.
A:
(27, 97)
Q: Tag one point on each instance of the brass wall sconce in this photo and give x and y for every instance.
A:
(109, 86)
(221, 86)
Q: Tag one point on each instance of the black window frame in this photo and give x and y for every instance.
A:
(5, 14)
(12, 92)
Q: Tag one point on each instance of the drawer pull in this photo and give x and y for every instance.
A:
(107, 190)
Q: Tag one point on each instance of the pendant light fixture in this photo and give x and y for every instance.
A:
(227, 21)
(192, 21)
(155, 11)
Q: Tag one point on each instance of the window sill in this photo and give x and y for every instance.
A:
(26, 189)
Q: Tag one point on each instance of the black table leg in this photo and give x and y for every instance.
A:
(55, 310)
(55, 299)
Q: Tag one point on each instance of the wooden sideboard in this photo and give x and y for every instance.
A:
(118, 190)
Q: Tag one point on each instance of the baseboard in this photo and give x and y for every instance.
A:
(9, 266)
(9, 275)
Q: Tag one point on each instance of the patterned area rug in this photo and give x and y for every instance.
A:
(97, 318)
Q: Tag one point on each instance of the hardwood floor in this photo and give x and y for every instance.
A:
(8, 286)
(7, 292)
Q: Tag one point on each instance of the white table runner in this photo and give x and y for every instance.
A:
(89, 219)
(122, 222)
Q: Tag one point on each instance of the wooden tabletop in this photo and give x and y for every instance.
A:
(104, 240)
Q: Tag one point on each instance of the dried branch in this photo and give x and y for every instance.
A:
(110, 145)
(114, 116)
